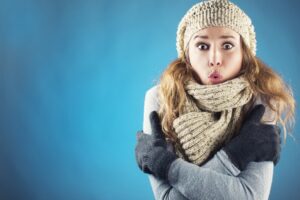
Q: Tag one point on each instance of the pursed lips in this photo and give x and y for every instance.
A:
(215, 77)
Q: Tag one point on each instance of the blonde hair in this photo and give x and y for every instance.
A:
(264, 82)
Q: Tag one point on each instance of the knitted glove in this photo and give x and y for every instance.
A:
(255, 142)
(151, 151)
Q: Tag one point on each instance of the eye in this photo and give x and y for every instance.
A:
(228, 45)
(202, 46)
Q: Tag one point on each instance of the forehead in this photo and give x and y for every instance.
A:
(216, 32)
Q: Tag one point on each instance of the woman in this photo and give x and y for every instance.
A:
(220, 143)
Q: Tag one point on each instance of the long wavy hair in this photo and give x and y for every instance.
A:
(264, 82)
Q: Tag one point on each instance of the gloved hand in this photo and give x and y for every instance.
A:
(255, 142)
(151, 151)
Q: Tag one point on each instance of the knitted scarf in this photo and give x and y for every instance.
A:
(210, 117)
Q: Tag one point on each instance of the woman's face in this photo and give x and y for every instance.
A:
(215, 54)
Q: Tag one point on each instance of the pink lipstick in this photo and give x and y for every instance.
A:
(215, 77)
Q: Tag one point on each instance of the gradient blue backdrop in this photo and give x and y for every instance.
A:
(73, 76)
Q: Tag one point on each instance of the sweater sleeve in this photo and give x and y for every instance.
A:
(217, 178)
(162, 190)
(196, 182)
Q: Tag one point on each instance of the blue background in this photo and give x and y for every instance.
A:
(73, 76)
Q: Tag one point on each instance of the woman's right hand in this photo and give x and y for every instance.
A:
(256, 141)
(151, 151)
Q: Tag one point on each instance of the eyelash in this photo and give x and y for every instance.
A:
(201, 43)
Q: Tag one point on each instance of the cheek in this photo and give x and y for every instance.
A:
(197, 59)
(199, 62)
(199, 65)
(201, 71)
(234, 60)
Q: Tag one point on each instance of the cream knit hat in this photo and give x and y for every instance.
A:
(214, 13)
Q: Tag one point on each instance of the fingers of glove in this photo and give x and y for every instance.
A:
(138, 160)
(278, 143)
(145, 164)
(278, 133)
(159, 143)
(138, 134)
(274, 129)
(271, 132)
(138, 157)
(256, 114)
(276, 154)
(149, 141)
(149, 160)
(142, 148)
(143, 137)
(142, 157)
(277, 158)
(156, 125)
(269, 149)
(261, 132)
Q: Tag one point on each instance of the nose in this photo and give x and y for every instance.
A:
(215, 58)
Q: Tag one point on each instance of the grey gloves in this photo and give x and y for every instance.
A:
(151, 151)
(255, 142)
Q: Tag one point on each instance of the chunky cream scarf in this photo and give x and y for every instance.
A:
(210, 117)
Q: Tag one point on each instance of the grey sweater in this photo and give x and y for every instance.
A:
(216, 179)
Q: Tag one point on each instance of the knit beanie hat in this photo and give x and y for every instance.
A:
(210, 13)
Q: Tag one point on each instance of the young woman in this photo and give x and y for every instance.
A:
(216, 135)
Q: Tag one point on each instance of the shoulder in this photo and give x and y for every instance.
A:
(152, 92)
(151, 96)
(269, 116)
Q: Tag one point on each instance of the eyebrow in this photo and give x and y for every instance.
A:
(206, 37)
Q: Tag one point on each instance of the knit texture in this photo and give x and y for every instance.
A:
(210, 117)
(214, 13)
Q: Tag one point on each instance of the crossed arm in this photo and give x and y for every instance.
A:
(218, 178)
